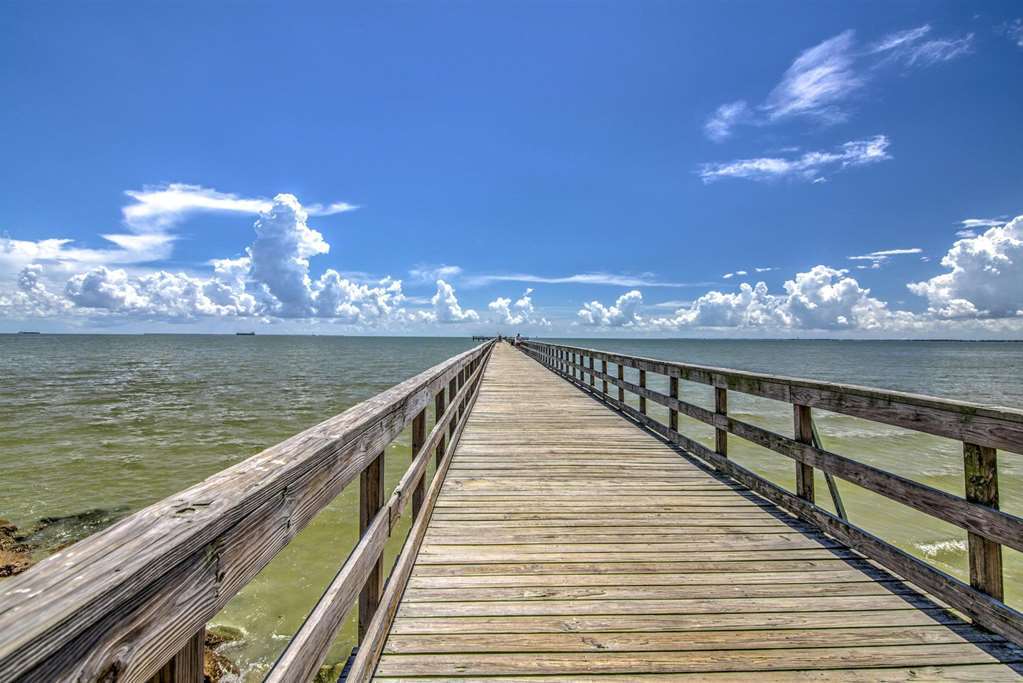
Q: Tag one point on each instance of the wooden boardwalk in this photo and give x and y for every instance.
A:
(569, 543)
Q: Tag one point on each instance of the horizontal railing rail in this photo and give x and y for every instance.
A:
(131, 602)
(982, 429)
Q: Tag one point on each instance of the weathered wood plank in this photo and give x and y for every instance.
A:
(992, 426)
(564, 545)
(186, 665)
(131, 596)
(981, 473)
(371, 500)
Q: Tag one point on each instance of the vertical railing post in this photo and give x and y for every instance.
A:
(593, 380)
(981, 471)
(371, 499)
(603, 380)
(642, 398)
(452, 390)
(186, 665)
(672, 413)
(621, 378)
(721, 413)
(418, 439)
(440, 404)
(802, 428)
(458, 387)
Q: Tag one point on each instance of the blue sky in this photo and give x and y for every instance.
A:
(561, 168)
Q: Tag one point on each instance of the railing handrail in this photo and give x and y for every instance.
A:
(987, 527)
(119, 604)
(986, 425)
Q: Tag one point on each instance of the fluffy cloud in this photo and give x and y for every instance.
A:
(279, 258)
(811, 166)
(32, 299)
(623, 313)
(985, 278)
(521, 312)
(157, 295)
(271, 280)
(822, 298)
(446, 308)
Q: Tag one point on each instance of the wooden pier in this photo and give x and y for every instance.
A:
(567, 535)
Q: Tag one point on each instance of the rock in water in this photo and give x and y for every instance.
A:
(15, 556)
(215, 664)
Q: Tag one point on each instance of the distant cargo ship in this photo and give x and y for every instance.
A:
(246, 334)
(29, 332)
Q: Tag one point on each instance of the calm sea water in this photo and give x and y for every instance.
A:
(95, 427)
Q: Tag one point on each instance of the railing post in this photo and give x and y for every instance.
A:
(593, 380)
(458, 387)
(371, 499)
(603, 380)
(802, 428)
(621, 389)
(452, 390)
(721, 411)
(981, 471)
(418, 439)
(642, 398)
(672, 413)
(439, 406)
(186, 665)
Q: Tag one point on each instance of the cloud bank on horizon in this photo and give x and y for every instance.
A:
(272, 281)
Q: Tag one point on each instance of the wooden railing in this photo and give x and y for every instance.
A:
(131, 603)
(981, 429)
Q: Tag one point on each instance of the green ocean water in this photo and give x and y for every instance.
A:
(94, 427)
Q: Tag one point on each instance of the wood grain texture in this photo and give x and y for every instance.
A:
(567, 543)
(122, 602)
(993, 426)
(980, 520)
(186, 665)
(981, 474)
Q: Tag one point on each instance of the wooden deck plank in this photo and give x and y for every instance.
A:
(568, 543)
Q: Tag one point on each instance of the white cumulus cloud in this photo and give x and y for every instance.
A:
(521, 312)
(271, 279)
(623, 313)
(985, 278)
(446, 308)
(821, 298)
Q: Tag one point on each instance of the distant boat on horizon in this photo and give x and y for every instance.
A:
(246, 334)
(28, 332)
